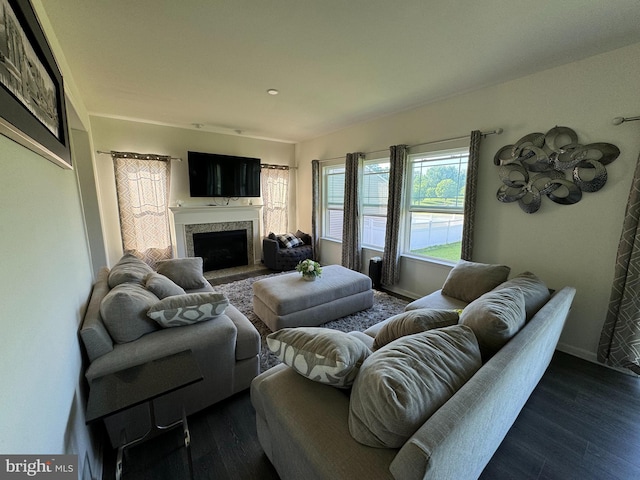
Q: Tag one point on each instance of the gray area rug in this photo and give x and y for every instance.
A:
(240, 295)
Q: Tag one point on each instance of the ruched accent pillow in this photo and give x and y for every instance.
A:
(413, 321)
(401, 385)
(124, 312)
(495, 318)
(323, 355)
(535, 291)
(161, 286)
(129, 269)
(468, 280)
(181, 310)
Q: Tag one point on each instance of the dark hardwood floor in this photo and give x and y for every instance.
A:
(581, 422)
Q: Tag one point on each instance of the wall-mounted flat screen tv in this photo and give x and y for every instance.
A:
(214, 175)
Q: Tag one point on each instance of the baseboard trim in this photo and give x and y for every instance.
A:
(590, 357)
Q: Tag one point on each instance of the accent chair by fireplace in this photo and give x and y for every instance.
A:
(280, 254)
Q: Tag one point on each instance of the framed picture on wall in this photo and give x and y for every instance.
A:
(32, 106)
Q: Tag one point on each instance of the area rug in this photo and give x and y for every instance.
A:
(240, 295)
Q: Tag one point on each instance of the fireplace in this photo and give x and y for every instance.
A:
(221, 244)
(225, 249)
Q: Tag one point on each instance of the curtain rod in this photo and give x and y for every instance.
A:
(621, 120)
(277, 167)
(109, 153)
(497, 131)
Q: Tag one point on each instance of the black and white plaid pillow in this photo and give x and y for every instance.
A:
(289, 240)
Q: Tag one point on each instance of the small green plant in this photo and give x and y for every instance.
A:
(309, 268)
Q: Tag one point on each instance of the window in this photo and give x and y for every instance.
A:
(333, 195)
(375, 195)
(436, 189)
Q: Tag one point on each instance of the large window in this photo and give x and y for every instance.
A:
(375, 194)
(437, 183)
(433, 212)
(333, 195)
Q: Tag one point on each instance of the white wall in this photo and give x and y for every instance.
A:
(122, 135)
(45, 282)
(565, 245)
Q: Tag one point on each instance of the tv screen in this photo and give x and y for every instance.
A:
(213, 175)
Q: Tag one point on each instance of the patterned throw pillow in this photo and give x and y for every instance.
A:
(289, 240)
(187, 309)
(320, 354)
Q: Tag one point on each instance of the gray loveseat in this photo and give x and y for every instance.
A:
(304, 425)
(226, 348)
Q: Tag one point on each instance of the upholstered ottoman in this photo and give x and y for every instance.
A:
(289, 301)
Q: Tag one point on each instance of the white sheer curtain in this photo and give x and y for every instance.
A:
(275, 196)
(142, 186)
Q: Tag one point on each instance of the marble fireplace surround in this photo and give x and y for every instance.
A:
(189, 230)
(204, 219)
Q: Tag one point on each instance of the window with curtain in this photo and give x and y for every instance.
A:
(375, 194)
(275, 198)
(433, 213)
(142, 186)
(333, 201)
(436, 191)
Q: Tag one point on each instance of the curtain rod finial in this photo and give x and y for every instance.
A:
(618, 120)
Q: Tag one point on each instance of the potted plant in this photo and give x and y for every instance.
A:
(309, 269)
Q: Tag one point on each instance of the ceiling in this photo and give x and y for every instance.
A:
(334, 62)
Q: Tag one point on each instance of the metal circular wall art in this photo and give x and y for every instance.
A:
(539, 163)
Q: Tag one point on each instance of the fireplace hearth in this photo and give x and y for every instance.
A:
(219, 250)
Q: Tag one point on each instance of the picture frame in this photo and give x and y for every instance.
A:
(32, 103)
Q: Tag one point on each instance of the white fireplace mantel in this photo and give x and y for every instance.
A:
(182, 216)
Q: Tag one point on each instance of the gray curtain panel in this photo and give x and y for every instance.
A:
(142, 186)
(315, 207)
(351, 247)
(470, 196)
(390, 256)
(620, 338)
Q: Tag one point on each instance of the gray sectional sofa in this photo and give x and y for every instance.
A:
(313, 430)
(226, 347)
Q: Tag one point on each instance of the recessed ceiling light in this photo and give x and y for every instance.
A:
(273, 91)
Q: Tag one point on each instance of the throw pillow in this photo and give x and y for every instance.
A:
(128, 269)
(305, 238)
(320, 354)
(495, 318)
(186, 272)
(187, 309)
(162, 286)
(289, 240)
(468, 280)
(535, 292)
(413, 321)
(124, 312)
(401, 385)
